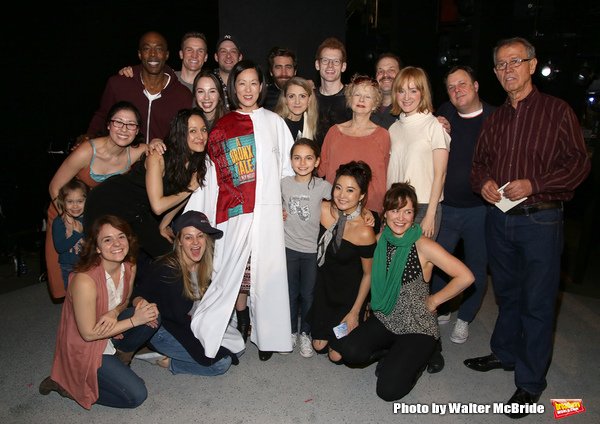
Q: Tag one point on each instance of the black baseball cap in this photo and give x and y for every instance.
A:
(228, 37)
(197, 220)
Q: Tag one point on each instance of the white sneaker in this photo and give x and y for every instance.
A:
(444, 319)
(306, 349)
(150, 357)
(460, 334)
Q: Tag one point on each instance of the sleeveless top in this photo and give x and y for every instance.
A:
(410, 315)
(101, 177)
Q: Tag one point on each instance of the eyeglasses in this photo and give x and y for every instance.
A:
(326, 61)
(513, 63)
(119, 124)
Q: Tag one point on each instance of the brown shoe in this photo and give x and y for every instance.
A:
(49, 385)
(124, 357)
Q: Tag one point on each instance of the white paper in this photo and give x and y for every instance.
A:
(505, 203)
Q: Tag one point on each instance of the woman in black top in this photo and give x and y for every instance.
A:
(175, 282)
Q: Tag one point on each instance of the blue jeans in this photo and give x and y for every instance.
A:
(467, 224)
(118, 385)
(422, 210)
(524, 256)
(181, 361)
(302, 275)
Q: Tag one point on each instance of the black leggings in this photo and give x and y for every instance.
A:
(406, 358)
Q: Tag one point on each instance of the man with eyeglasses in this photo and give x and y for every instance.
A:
(282, 67)
(157, 95)
(530, 150)
(330, 61)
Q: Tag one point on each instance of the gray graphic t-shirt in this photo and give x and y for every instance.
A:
(302, 201)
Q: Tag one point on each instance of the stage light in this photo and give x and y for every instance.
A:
(549, 71)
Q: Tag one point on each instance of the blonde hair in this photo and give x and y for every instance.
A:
(205, 267)
(312, 110)
(358, 80)
(419, 77)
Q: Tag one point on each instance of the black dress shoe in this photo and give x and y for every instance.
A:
(436, 363)
(264, 355)
(487, 363)
(521, 397)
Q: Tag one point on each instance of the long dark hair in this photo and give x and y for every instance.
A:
(221, 108)
(178, 153)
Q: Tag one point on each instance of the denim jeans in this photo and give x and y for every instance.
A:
(467, 224)
(525, 256)
(422, 210)
(118, 385)
(181, 361)
(302, 275)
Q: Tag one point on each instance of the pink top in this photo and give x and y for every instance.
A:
(76, 361)
(374, 149)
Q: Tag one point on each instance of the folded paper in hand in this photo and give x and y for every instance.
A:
(505, 203)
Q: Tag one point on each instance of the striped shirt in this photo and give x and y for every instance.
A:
(539, 140)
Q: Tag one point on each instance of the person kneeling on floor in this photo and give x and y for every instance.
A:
(403, 329)
(176, 282)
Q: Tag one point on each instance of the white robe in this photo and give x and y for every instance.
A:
(258, 235)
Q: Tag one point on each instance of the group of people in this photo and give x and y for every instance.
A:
(339, 190)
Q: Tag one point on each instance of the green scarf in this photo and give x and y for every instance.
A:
(385, 284)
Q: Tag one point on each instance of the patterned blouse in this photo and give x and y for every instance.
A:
(410, 315)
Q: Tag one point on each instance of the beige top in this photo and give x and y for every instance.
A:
(413, 140)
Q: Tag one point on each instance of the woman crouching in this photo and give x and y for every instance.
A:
(98, 334)
(403, 328)
(176, 282)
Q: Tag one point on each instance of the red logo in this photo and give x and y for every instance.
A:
(567, 407)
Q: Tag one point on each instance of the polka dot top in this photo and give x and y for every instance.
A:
(410, 315)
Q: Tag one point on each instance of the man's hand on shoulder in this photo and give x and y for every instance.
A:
(445, 123)
(127, 71)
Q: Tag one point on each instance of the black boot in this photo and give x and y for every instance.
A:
(243, 322)
(436, 361)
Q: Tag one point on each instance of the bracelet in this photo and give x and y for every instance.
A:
(132, 324)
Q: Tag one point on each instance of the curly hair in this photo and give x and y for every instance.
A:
(364, 80)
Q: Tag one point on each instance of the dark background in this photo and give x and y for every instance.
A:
(60, 55)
